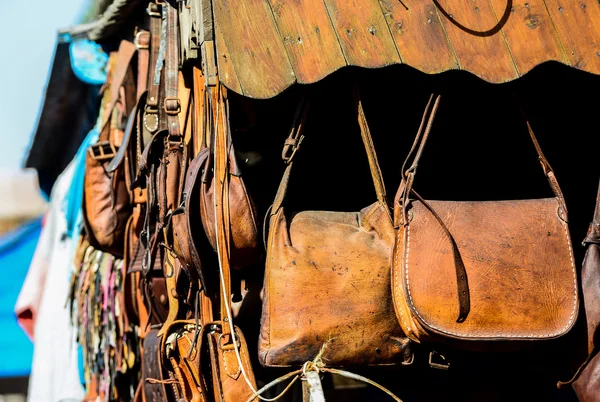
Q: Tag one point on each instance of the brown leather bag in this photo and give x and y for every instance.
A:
(106, 200)
(245, 247)
(586, 381)
(468, 271)
(327, 280)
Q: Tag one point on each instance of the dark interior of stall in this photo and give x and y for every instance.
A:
(479, 149)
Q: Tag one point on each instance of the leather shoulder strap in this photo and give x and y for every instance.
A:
(295, 138)
(172, 105)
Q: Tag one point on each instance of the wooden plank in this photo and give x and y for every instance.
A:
(419, 36)
(309, 38)
(227, 74)
(476, 39)
(529, 33)
(256, 49)
(578, 25)
(363, 33)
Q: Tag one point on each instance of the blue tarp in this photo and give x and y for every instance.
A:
(16, 251)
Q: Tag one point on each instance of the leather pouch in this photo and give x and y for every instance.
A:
(245, 246)
(474, 271)
(327, 280)
(106, 200)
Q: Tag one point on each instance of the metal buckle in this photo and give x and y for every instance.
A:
(289, 150)
(170, 110)
(102, 150)
(136, 40)
(443, 365)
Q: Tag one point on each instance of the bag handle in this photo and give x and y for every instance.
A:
(408, 175)
(295, 138)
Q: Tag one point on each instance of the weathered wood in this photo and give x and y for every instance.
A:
(477, 41)
(309, 38)
(578, 25)
(250, 34)
(529, 33)
(227, 74)
(419, 36)
(363, 33)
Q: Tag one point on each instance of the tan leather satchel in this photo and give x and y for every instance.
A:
(473, 271)
(327, 280)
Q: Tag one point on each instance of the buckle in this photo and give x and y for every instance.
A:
(441, 364)
(136, 40)
(102, 150)
(172, 106)
(290, 148)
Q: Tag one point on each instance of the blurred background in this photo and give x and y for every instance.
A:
(30, 32)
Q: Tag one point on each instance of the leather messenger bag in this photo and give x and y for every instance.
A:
(473, 271)
(327, 281)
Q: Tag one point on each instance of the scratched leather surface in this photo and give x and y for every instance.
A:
(519, 264)
(328, 278)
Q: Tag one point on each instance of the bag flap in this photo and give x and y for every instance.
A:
(519, 262)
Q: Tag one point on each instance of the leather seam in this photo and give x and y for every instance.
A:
(227, 368)
(399, 282)
(509, 336)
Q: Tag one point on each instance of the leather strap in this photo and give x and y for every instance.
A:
(409, 174)
(142, 43)
(154, 389)
(222, 208)
(292, 144)
(593, 234)
(172, 105)
(154, 12)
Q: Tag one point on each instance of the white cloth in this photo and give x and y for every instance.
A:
(54, 372)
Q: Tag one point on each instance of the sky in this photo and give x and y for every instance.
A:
(28, 31)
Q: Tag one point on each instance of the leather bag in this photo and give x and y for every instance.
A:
(471, 271)
(327, 280)
(586, 381)
(107, 200)
(245, 246)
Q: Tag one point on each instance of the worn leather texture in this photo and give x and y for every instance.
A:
(328, 282)
(327, 279)
(519, 264)
(587, 386)
(467, 271)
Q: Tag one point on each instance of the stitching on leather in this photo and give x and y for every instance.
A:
(560, 332)
(398, 282)
(227, 368)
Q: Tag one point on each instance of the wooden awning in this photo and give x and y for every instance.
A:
(264, 46)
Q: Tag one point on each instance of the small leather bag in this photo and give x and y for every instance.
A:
(472, 271)
(106, 201)
(327, 280)
(245, 243)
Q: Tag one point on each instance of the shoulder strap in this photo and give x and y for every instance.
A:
(292, 144)
(409, 174)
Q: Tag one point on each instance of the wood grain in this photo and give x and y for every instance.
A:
(578, 25)
(529, 33)
(419, 36)
(477, 47)
(309, 38)
(363, 33)
(259, 57)
(227, 74)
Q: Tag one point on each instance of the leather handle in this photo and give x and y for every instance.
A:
(295, 138)
(409, 174)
